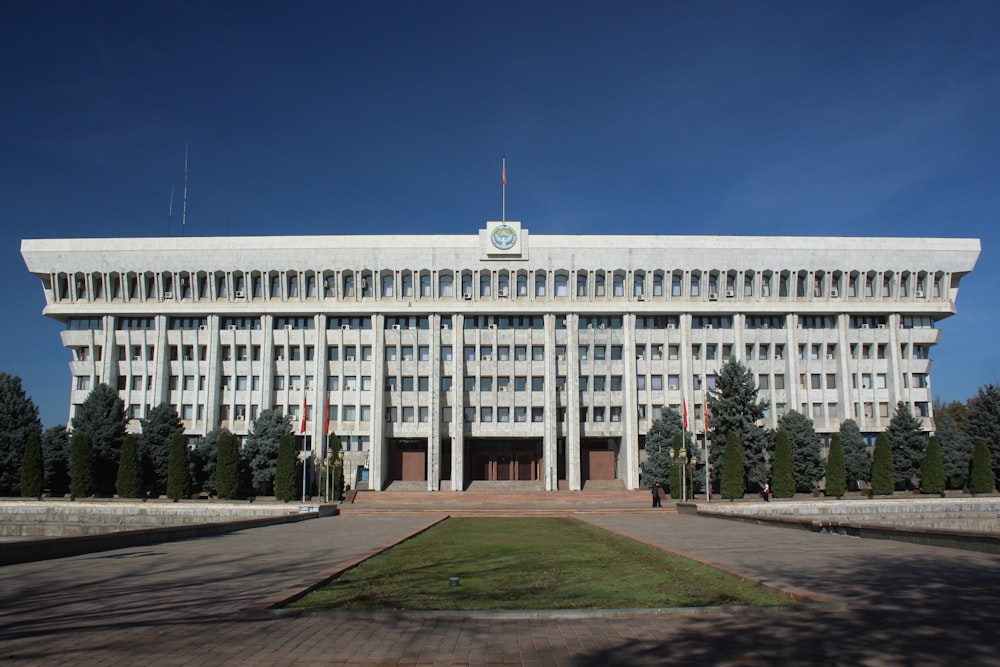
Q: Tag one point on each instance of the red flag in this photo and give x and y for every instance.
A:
(706, 414)
(303, 426)
(505, 171)
(684, 401)
(326, 417)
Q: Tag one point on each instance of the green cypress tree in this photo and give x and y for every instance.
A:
(731, 485)
(907, 441)
(956, 450)
(784, 475)
(932, 468)
(857, 458)
(285, 469)
(178, 469)
(836, 473)
(807, 447)
(676, 486)
(883, 477)
(32, 467)
(81, 466)
(982, 480)
(129, 482)
(227, 467)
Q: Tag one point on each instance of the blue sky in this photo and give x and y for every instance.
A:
(715, 117)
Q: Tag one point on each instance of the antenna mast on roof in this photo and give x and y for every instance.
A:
(185, 208)
(170, 211)
(503, 196)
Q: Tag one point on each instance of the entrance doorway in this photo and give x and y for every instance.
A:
(504, 460)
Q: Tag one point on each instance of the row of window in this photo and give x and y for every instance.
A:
(506, 284)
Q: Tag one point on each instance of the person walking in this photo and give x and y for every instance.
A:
(656, 494)
(766, 492)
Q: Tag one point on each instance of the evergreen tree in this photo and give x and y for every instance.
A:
(676, 485)
(178, 469)
(102, 417)
(807, 458)
(983, 420)
(982, 479)
(732, 468)
(203, 462)
(656, 467)
(956, 451)
(227, 469)
(18, 418)
(334, 456)
(32, 467)
(932, 469)
(734, 408)
(81, 470)
(857, 460)
(883, 477)
(260, 452)
(836, 472)
(129, 483)
(158, 429)
(959, 413)
(784, 468)
(285, 469)
(55, 454)
(907, 441)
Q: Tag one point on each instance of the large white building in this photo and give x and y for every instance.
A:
(499, 355)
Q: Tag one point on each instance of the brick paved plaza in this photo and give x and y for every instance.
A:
(184, 603)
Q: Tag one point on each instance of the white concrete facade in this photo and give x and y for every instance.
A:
(499, 355)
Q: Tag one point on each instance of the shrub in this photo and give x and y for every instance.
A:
(129, 482)
(836, 473)
(982, 479)
(932, 468)
(178, 469)
(731, 485)
(81, 466)
(284, 470)
(883, 477)
(32, 467)
(227, 467)
(784, 477)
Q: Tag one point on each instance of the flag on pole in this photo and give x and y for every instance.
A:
(302, 427)
(685, 404)
(505, 171)
(326, 417)
(706, 414)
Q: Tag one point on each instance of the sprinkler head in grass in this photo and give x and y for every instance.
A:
(453, 581)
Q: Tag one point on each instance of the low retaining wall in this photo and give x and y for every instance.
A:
(119, 525)
(966, 523)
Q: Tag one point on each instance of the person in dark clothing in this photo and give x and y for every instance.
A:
(656, 495)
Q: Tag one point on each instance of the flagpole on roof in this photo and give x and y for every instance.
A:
(503, 194)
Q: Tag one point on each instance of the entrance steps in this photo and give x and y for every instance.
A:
(486, 499)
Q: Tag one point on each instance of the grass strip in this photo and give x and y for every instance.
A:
(531, 563)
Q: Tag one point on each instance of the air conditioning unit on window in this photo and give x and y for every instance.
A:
(395, 327)
(765, 325)
(502, 292)
(713, 296)
(350, 358)
(203, 327)
(444, 325)
(709, 326)
(834, 292)
(920, 294)
(864, 325)
(345, 327)
(168, 295)
(491, 326)
(671, 325)
(467, 296)
(641, 296)
(232, 327)
(730, 294)
(239, 294)
(830, 357)
(288, 327)
(881, 326)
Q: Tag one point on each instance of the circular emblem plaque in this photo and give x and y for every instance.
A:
(503, 237)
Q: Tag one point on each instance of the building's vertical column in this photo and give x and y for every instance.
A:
(843, 369)
(573, 404)
(379, 447)
(322, 381)
(550, 449)
(211, 366)
(792, 359)
(899, 390)
(162, 388)
(458, 405)
(629, 446)
(434, 394)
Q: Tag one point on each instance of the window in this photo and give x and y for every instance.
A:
(537, 352)
(764, 381)
(537, 383)
(537, 414)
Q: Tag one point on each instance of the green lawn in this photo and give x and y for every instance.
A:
(511, 563)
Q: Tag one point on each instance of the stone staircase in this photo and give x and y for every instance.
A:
(500, 499)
